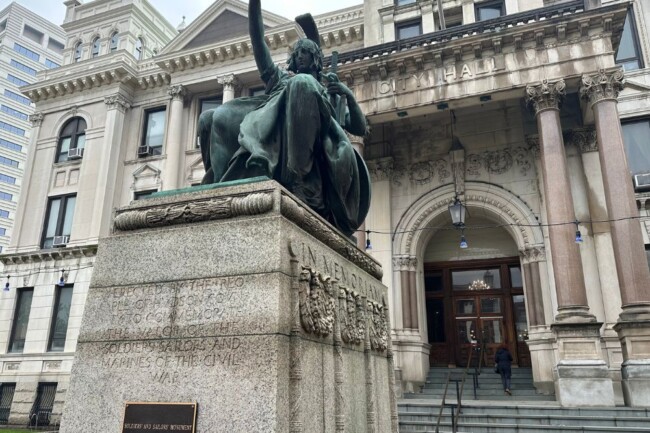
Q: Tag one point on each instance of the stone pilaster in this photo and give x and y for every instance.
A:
(175, 150)
(229, 83)
(401, 264)
(580, 371)
(358, 145)
(530, 259)
(601, 92)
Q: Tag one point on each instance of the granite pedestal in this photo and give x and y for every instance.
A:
(240, 299)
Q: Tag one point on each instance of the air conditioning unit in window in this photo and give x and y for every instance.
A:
(642, 182)
(76, 153)
(145, 151)
(60, 241)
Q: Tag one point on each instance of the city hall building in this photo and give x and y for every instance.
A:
(533, 116)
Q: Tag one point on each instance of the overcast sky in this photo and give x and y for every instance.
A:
(174, 10)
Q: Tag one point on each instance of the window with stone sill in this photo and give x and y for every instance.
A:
(21, 320)
(404, 2)
(205, 105)
(72, 136)
(408, 29)
(153, 133)
(77, 52)
(114, 41)
(60, 318)
(95, 47)
(58, 219)
(628, 54)
(489, 10)
(139, 48)
(139, 195)
(635, 137)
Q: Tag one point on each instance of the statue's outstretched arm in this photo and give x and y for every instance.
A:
(256, 29)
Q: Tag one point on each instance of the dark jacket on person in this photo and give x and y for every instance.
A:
(503, 359)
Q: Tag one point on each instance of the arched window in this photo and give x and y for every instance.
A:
(95, 51)
(114, 41)
(138, 49)
(77, 52)
(72, 140)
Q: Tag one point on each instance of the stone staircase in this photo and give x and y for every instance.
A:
(525, 411)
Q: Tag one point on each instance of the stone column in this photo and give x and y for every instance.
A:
(569, 279)
(358, 145)
(175, 150)
(633, 327)
(469, 15)
(581, 373)
(401, 264)
(530, 259)
(229, 83)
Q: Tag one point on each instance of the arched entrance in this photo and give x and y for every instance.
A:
(465, 294)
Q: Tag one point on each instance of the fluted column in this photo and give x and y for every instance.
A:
(581, 372)
(601, 91)
(569, 279)
(229, 83)
(175, 150)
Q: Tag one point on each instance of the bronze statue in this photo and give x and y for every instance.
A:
(291, 133)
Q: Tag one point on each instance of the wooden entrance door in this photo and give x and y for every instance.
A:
(474, 300)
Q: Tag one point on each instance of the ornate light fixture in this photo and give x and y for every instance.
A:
(479, 285)
(457, 211)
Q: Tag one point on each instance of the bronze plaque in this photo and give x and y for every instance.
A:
(159, 417)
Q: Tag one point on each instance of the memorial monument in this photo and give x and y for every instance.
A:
(244, 306)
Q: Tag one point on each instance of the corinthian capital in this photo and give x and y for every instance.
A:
(177, 91)
(118, 102)
(380, 169)
(228, 81)
(545, 96)
(36, 119)
(603, 85)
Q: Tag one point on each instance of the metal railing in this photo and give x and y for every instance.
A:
(456, 408)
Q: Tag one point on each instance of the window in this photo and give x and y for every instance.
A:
(139, 195)
(138, 49)
(635, 136)
(488, 11)
(259, 91)
(404, 2)
(26, 52)
(15, 113)
(4, 213)
(50, 64)
(33, 35)
(21, 320)
(73, 136)
(16, 97)
(11, 128)
(114, 41)
(95, 49)
(9, 162)
(7, 179)
(154, 130)
(628, 54)
(55, 46)
(60, 317)
(3, 231)
(6, 398)
(17, 81)
(77, 52)
(3, 25)
(408, 29)
(58, 219)
(9, 145)
(6, 196)
(42, 408)
(209, 104)
(26, 69)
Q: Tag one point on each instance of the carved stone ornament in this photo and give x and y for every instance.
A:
(177, 91)
(603, 85)
(545, 96)
(316, 296)
(36, 119)
(533, 145)
(377, 326)
(499, 161)
(190, 212)
(228, 81)
(585, 139)
(352, 316)
(380, 169)
(118, 102)
(533, 254)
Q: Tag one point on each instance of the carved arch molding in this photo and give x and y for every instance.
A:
(495, 202)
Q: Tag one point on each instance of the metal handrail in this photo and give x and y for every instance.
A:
(456, 409)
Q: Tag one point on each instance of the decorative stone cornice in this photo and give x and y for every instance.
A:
(48, 255)
(380, 169)
(229, 81)
(535, 253)
(546, 96)
(36, 119)
(602, 86)
(118, 102)
(177, 92)
(585, 139)
(405, 263)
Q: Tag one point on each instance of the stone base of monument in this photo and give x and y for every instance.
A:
(239, 299)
